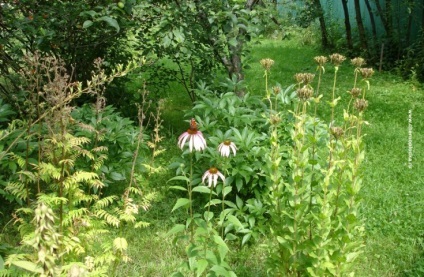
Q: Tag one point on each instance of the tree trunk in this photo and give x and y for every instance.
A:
(389, 15)
(409, 26)
(361, 28)
(422, 19)
(324, 34)
(347, 26)
(372, 19)
(383, 17)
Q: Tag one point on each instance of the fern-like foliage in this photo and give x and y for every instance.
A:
(108, 217)
(78, 177)
(105, 202)
(18, 190)
(48, 171)
(75, 217)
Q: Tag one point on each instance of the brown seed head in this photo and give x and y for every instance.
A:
(276, 90)
(358, 62)
(361, 104)
(337, 132)
(321, 60)
(337, 59)
(366, 72)
(267, 64)
(304, 93)
(355, 92)
(275, 119)
(304, 78)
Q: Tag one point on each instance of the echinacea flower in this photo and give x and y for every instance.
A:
(212, 174)
(194, 137)
(226, 147)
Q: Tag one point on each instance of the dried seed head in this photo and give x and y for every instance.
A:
(366, 72)
(276, 90)
(267, 64)
(304, 93)
(361, 104)
(337, 132)
(358, 62)
(304, 78)
(355, 92)
(275, 119)
(321, 60)
(337, 59)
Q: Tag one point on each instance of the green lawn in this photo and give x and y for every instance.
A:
(393, 196)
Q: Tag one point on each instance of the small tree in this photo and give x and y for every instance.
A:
(199, 36)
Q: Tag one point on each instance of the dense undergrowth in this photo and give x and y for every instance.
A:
(387, 232)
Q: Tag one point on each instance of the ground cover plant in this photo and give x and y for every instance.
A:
(309, 166)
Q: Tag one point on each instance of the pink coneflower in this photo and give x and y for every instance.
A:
(226, 147)
(212, 175)
(193, 136)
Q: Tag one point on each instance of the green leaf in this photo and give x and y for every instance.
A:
(179, 37)
(239, 184)
(176, 229)
(180, 202)
(246, 238)
(166, 41)
(87, 24)
(202, 189)
(234, 220)
(120, 244)
(90, 13)
(239, 202)
(177, 274)
(208, 215)
(211, 257)
(227, 190)
(110, 21)
(220, 270)
(29, 266)
(230, 204)
(201, 266)
(230, 237)
(179, 178)
(178, 188)
(1, 263)
(117, 176)
(219, 241)
(214, 202)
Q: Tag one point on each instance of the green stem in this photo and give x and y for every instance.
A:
(223, 208)
(207, 220)
(333, 94)
(190, 187)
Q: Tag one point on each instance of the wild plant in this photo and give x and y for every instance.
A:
(206, 247)
(314, 201)
(68, 229)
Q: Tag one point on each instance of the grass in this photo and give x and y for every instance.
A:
(392, 194)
